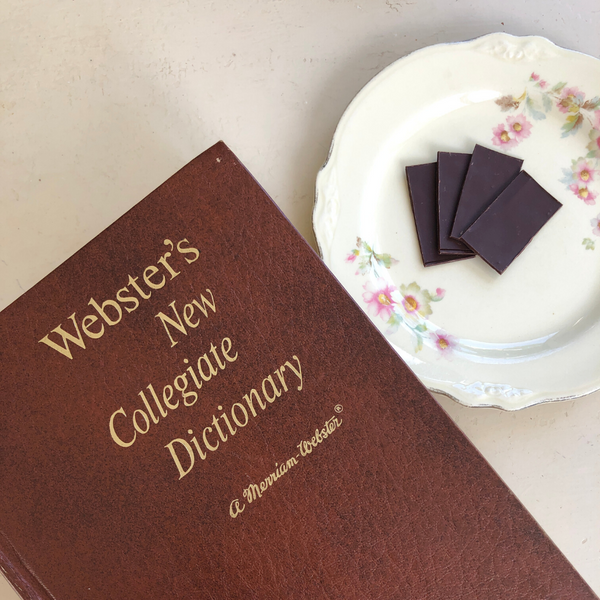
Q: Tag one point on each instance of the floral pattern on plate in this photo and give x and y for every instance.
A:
(582, 115)
(409, 306)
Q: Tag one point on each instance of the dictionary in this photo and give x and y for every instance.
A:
(193, 408)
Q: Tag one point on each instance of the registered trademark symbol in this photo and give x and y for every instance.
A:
(338, 408)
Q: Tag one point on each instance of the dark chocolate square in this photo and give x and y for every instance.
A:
(510, 222)
(422, 186)
(452, 169)
(489, 173)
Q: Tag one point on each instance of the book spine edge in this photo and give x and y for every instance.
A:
(23, 581)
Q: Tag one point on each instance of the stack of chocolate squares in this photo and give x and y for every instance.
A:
(480, 203)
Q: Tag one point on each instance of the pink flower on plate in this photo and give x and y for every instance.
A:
(570, 100)
(535, 77)
(595, 223)
(597, 119)
(378, 296)
(352, 256)
(444, 342)
(440, 293)
(502, 137)
(519, 127)
(594, 145)
(584, 171)
(415, 301)
(583, 193)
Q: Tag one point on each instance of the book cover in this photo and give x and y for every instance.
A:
(193, 408)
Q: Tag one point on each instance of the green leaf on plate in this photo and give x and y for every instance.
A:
(589, 244)
(572, 125)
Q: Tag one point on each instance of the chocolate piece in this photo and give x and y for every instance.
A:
(489, 173)
(452, 169)
(510, 222)
(422, 184)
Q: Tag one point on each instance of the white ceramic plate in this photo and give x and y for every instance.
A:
(532, 334)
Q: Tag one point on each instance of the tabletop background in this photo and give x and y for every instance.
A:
(102, 101)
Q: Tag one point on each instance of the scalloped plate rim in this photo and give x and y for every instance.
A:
(455, 395)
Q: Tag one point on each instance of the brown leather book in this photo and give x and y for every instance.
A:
(193, 408)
